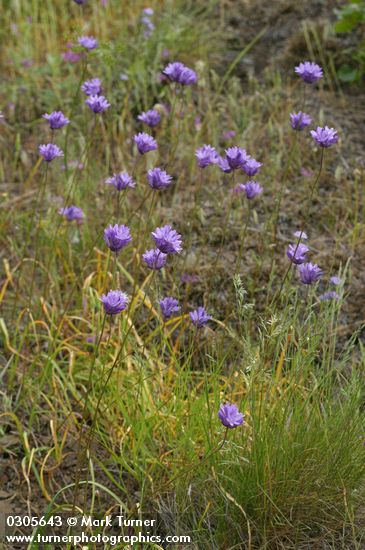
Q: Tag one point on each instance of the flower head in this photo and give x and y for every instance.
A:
(299, 120)
(92, 87)
(71, 213)
(114, 302)
(97, 103)
(252, 189)
(154, 258)
(199, 317)
(297, 253)
(230, 416)
(335, 280)
(167, 240)
(145, 143)
(325, 137)
(158, 178)
(178, 72)
(50, 151)
(56, 120)
(168, 307)
(88, 42)
(223, 165)
(309, 273)
(121, 181)
(117, 237)
(330, 295)
(309, 72)
(236, 157)
(80, 2)
(151, 118)
(206, 155)
(251, 167)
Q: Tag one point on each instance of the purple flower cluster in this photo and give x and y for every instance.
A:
(158, 178)
(117, 237)
(325, 137)
(169, 306)
(206, 155)
(309, 273)
(299, 120)
(72, 213)
(114, 302)
(56, 120)
(230, 416)
(121, 181)
(309, 72)
(145, 143)
(167, 240)
(154, 258)
(50, 151)
(199, 317)
(179, 73)
(297, 253)
(151, 118)
(92, 87)
(97, 103)
(88, 42)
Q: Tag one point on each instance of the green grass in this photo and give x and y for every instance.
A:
(134, 417)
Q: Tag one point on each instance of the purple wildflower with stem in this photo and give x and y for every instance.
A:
(325, 137)
(167, 240)
(223, 165)
(297, 253)
(151, 118)
(199, 317)
(335, 280)
(309, 273)
(230, 416)
(114, 302)
(300, 235)
(97, 103)
(121, 181)
(56, 120)
(236, 157)
(252, 189)
(92, 86)
(251, 167)
(154, 258)
(299, 120)
(145, 143)
(169, 306)
(50, 151)
(206, 155)
(178, 72)
(72, 213)
(117, 237)
(309, 72)
(158, 178)
(88, 42)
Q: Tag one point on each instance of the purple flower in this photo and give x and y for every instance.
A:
(306, 173)
(114, 302)
(154, 258)
(309, 72)
(56, 120)
(178, 72)
(330, 295)
(309, 273)
(88, 42)
(206, 155)
(230, 416)
(325, 137)
(121, 181)
(72, 213)
(252, 189)
(117, 237)
(145, 143)
(299, 120)
(97, 103)
(251, 167)
(297, 253)
(199, 317)
(228, 134)
(300, 235)
(223, 165)
(50, 152)
(167, 240)
(151, 118)
(72, 57)
(168, 307)
(148, 11)
(335, 280)
(92, 87)
(236, 157)
(158, 179)
(80, 2)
